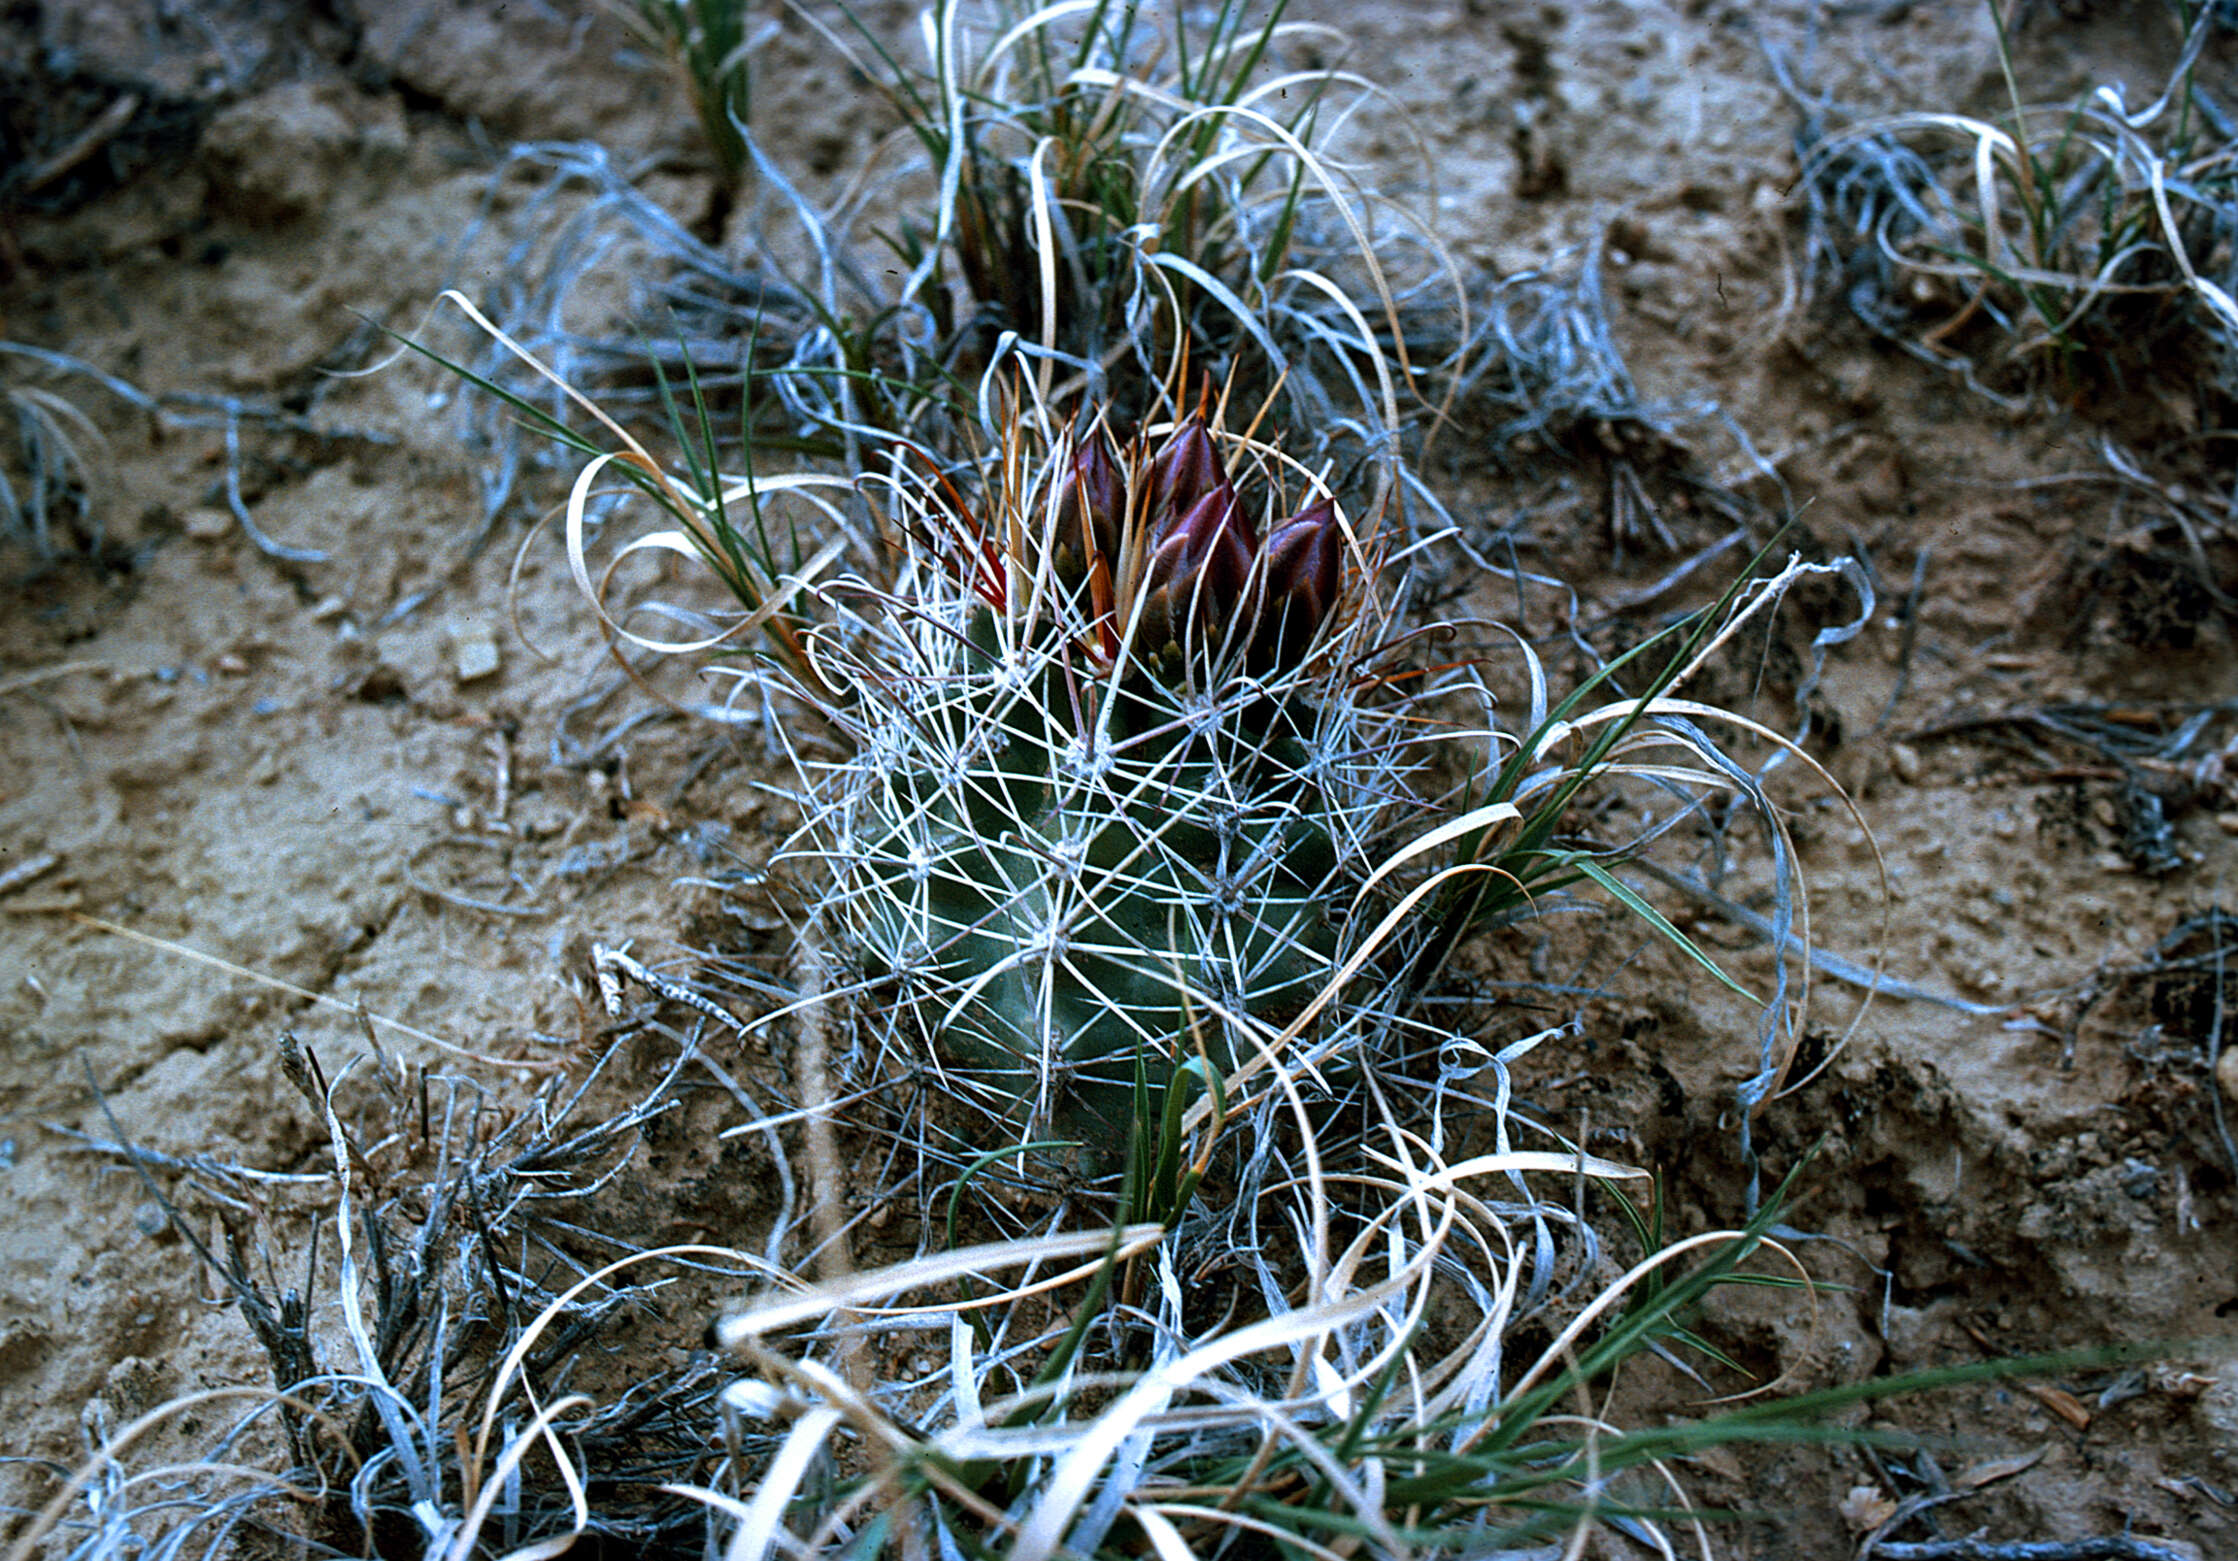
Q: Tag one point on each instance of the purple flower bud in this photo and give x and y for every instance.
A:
(1091, 514)
(1300, 570)
(1196, 577)
(1184, 472)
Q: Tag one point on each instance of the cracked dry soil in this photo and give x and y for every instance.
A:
(402, 774)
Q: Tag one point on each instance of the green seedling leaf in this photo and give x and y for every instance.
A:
(1629, 898)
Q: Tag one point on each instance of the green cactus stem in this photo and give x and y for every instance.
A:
(1109, 783)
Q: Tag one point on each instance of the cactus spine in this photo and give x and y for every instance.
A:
(1110, 784)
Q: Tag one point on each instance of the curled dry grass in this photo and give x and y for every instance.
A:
(1287, 1308)
(2058, 248)
(53, 491)
(426, 1304)
(1081, 186)
(1305, 1272)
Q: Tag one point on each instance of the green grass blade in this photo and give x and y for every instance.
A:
(1629, 898)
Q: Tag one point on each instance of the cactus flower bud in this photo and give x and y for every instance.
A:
(1198, 570)
(1186, 470)
(1091, 513)
(1299, 570)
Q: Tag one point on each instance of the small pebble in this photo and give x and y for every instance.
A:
(1986, 981)
(231, 665)
(149, 1219)
(1903, 758)
(207, 525)
(2227, 1071)
(473, 652)
(2227, 822)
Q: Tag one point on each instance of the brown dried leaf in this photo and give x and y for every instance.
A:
(2061, 1403)
(1992, 1470)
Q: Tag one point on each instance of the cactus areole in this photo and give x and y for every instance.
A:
(1099, 818)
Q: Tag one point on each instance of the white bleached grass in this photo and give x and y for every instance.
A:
(1303, 1152)
(1081, 186)
(2052, 246)
(1129, 915)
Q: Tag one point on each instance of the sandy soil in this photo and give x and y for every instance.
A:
(392, 771)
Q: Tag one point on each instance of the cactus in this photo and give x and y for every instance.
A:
(1110, 782)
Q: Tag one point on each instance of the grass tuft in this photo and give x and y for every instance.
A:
(444, 1299)
(2062, 250)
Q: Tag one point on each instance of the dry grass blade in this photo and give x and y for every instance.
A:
(2059, 248)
